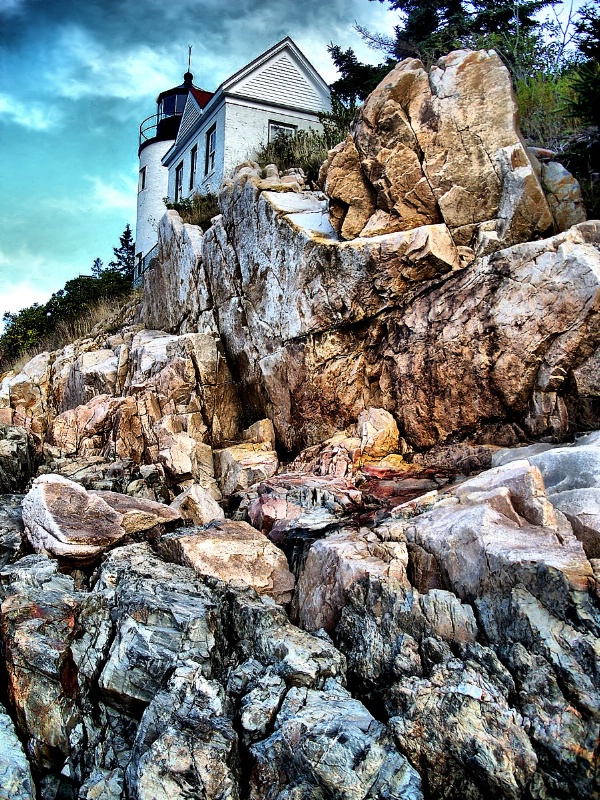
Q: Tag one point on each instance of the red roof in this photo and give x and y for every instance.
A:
(201, 96)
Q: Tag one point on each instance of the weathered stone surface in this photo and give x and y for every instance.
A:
(15, 774)
(374, 437)
(12, 531)
(235, 553)
(563, 194)
(571, 477)
(163, 613)
(197, 504)
(38, 614)
(334, 328)
(327, 741)
(440, 147)
(92, 373)
(334, 564)
(241, 466)
(352, 199)
(186, 745)
(62, 519)
(138, 514)
(499, 760)
(17, 459)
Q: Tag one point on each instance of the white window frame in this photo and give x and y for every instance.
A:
(193, 165)
(276, 128)
(211, 149)
(142, 180)
(179, 182)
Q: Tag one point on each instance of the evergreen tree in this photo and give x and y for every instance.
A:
(588, 28)
(124, 262)
(357, 80)
(97, 267)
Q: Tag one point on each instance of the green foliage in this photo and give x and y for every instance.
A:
(97, 267)
(540, 99)
(198, 209)
(357, 80)
(306, 150)
(588, 29)
(429, 29)
(584, 103)
(28, 329)
(124, 261)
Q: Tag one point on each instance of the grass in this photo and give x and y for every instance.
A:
(198, 209)
(103, 318)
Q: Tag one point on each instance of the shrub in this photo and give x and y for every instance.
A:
(198, 209)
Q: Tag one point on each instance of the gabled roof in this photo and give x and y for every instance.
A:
(191, 114)
(240, 80)
(201, 96)
(281, 76)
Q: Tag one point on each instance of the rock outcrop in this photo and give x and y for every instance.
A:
(17, 458)
(62, 519)
(321, 334)
(442, 147)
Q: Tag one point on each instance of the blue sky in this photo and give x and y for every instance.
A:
(76, 79)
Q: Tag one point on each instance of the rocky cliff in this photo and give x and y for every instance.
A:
(281, 531)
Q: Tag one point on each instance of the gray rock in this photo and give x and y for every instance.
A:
(38, 613)
(326, 740)
(12, 532)
(186, 745)
(17, 458)
(15, 774)
(582, 508)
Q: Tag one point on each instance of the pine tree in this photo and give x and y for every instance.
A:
(97, 267)
(124, 262)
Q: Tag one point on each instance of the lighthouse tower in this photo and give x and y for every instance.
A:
(157, 134)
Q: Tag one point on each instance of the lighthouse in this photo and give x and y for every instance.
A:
(157, 134)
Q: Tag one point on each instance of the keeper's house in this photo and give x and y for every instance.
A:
(196, 138)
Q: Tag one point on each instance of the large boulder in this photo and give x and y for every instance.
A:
(236, 553)
(442, 146)
(62, 519)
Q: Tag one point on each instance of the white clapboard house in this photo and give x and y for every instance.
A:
(196, 138)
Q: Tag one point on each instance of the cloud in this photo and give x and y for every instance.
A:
(32, 115)
(120, 195)
(11, 6)
(16, 293)
(82, 66)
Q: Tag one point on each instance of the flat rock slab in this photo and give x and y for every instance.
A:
(236, 553)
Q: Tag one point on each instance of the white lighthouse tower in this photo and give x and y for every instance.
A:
(157, 133)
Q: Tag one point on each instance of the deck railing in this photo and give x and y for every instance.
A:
(143, 265)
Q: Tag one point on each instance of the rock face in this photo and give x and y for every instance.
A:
(411, 601)
(160, 684)
(17, 459)
(321, 335)
(143, 396)
(15, 772)
(439, 147)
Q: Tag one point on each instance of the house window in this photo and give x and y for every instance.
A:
(211, 146)
(193, 165)
(142, 181)
(280, 129)
(179, 182)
